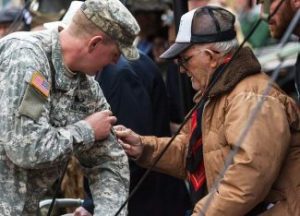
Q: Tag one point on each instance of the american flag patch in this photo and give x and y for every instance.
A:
(39, 82)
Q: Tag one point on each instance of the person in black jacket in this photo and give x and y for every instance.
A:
(137, 95)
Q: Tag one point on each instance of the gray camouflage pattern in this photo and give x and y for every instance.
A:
(33, 152)
(112, 17)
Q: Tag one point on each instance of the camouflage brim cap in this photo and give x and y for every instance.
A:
(113, 18)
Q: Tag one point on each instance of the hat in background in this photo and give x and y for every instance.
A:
(148, 5)
(202, 25)
(113, 18)
(66, 20)
(8, 15)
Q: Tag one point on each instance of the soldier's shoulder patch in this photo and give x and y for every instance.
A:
(40, 83)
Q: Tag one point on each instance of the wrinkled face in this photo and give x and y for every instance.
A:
(280, 21)
(197, 63)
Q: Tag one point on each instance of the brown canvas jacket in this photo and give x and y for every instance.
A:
(267, 164)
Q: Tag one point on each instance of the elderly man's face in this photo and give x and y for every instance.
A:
(280, 21)
(197, 63)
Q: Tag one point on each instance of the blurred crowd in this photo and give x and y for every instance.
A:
(156, 19)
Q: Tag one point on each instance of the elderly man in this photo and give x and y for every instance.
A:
(263, 176)
(51, 109)
(279, 23)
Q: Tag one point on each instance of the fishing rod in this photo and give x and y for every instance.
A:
(201, 102)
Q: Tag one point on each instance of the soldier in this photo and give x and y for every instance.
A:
(53, 109)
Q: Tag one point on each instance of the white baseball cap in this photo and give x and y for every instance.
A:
(202, 25)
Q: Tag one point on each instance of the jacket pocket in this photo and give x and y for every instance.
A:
(32, 104)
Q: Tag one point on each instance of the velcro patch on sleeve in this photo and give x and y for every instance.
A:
(39, 82)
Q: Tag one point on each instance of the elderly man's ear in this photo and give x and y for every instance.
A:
(212, 57)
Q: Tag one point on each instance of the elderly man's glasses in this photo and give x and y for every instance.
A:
(183, 61)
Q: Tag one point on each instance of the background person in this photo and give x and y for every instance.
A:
(137, 95)
(279, 23)
(12, 19)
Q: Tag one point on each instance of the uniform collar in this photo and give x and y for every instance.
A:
(64, 78)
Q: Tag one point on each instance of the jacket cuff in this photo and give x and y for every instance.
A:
(145, 159)
(82, 133)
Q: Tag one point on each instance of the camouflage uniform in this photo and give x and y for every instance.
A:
(39, 133)
(115, 20)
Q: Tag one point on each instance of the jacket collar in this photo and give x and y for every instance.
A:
(243, 65)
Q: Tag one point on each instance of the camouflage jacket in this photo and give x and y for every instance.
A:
(42, 107)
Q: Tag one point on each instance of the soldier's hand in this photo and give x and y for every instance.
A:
(101, 122)
(130, 141)
(80, 211)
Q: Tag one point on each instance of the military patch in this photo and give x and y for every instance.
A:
(33, 103)
(39, 82)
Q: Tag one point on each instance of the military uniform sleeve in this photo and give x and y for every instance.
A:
(258, 160)
(29, 138)
(106, 166)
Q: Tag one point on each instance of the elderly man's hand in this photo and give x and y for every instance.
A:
(80, 211)
(130, 141)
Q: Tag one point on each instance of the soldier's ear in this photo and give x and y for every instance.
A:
(94, 42)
